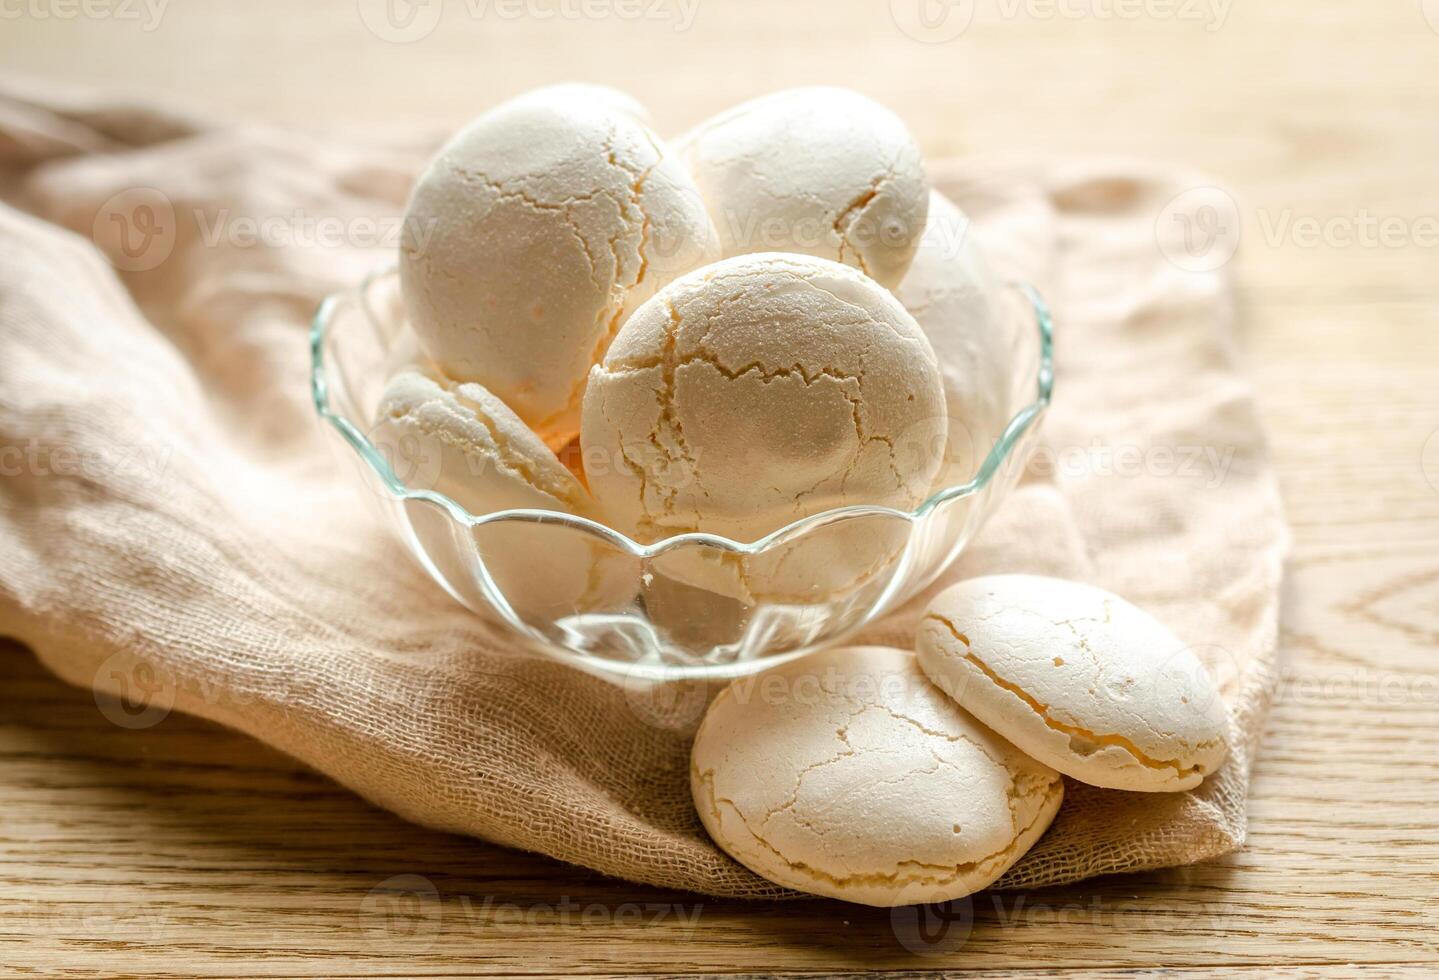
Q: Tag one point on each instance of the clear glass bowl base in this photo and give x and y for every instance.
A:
(691, 606)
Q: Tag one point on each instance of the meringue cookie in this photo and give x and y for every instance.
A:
(847, 774)
(530, 237)
(818, 171)
(954, 297)
(1079, 679)
(459, 440)
(587, 94)
(755, 392)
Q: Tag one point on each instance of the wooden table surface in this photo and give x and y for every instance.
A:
(185, 849)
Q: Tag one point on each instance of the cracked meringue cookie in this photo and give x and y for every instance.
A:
(818, 171)
(755, 392)
(459, 440)
(847, 774)
(954, 297)
(1078, 678)
(532, 235)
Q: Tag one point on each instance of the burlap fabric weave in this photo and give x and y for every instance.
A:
(172, 519)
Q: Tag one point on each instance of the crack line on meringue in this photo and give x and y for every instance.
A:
(1074, 732)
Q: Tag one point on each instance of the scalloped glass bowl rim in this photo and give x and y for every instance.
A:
(1022, 421)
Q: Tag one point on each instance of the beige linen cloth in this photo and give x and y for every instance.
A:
(174, 524)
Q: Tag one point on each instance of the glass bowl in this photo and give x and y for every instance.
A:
(693, 605)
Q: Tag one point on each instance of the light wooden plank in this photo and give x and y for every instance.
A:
(188, 850)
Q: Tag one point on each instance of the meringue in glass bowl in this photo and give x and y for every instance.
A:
(692, 605)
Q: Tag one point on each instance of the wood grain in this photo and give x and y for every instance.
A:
(186, 850)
